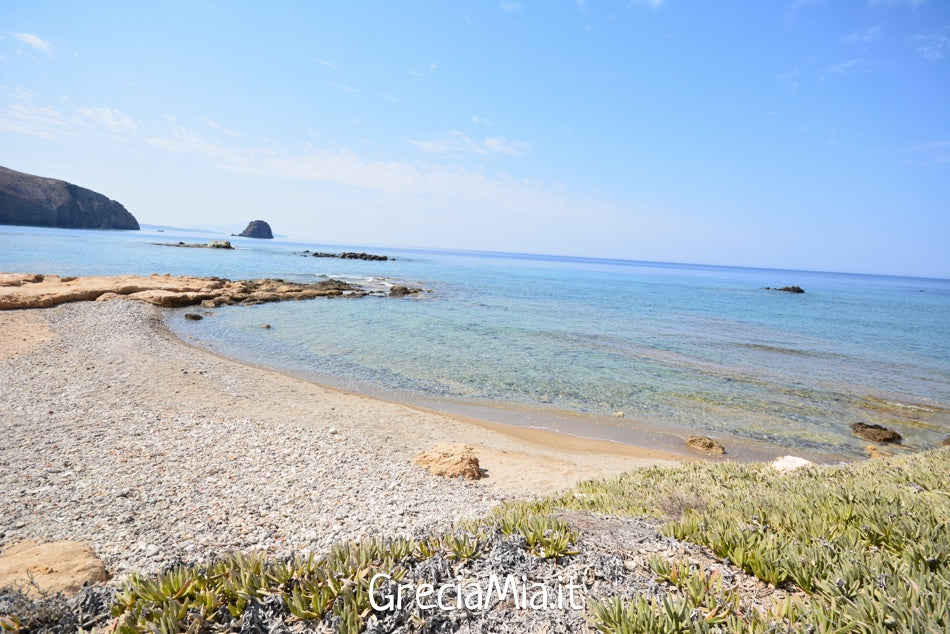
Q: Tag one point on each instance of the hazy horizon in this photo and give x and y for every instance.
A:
(804, 135)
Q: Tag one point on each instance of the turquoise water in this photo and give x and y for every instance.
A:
(554, 341)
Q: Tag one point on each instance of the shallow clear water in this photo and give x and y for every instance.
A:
(677, 348)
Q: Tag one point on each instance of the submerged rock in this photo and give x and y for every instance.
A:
(705, 443)
(257, 229)
(451, 461)
(193, 317)
(875, 433)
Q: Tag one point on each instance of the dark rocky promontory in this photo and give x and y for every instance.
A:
(37, 201)
(257, 229)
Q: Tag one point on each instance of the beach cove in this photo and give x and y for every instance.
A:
(111, 423)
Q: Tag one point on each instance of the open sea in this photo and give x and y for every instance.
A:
(569, 343)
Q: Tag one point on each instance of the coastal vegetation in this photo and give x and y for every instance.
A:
(863, 547)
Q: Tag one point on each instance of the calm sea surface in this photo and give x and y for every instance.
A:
(568, 343)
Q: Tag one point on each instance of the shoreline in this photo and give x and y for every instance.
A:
(592, 457)
(121, 435)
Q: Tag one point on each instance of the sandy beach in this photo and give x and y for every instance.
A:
(118, 434)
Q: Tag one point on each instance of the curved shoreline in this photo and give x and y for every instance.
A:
(119, 434)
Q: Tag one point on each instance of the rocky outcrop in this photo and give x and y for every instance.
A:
(402, 291)
(257, 229)
(348, 255)
(50, 568)
(214, 244)
(39, 291)
(786, 289)
(875, 433)
(37, 201)
(450, 461)
(706, 444)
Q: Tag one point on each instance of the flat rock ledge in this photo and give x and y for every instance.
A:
(38, 569)
(33, 290)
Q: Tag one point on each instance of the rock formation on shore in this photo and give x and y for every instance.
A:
(41, 291)
(257, 229)
(37, 201)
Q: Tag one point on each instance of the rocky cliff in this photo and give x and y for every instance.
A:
(47, 202)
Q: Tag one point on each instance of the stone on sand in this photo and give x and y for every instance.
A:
(63, 567)
(705, 443)
(451, 461)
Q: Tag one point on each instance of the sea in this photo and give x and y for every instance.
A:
(645, 353)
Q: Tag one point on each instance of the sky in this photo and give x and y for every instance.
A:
(803, 134)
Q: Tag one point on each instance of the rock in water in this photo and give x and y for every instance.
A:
(257, 229)
(47, 202)
(875, 433)
(786, 289)
(56, 567)
(451, 461)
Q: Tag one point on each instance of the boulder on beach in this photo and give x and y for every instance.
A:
(875, 433)
(257, 229)
(705, 443)
(451, 461)
(787, 464)
(38, 201)
(63, 567)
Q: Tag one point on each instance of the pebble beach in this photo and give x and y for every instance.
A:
(119, 435)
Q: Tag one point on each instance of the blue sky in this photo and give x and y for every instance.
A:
(798, 134)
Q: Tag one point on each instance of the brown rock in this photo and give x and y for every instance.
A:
(875, 433)
(193, 317)
(402, 291)
(451, 461)
(705, 443)
(49, 568)
(945, 442)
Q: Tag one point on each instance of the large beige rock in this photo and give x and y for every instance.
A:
(49, 568)
(787, 464)
(706, 444)
(19, 290)
(451, 461)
